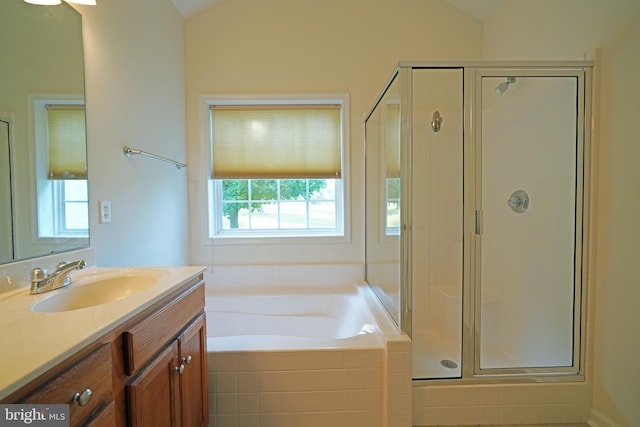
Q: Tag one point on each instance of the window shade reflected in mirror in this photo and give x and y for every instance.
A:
(67, 142)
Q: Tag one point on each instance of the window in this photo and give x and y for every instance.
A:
(61, 169)
(393, 207)
(277, 167)
(392, 158)
(70, 208)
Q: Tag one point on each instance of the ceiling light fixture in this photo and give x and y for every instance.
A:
(85, 2)
(43, 2)
(56, 2)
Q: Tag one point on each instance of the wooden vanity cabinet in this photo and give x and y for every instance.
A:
(150, 371)
(86, 386)
(169, 381)
(172, 390)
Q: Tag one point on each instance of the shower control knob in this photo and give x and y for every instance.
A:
(519, 201)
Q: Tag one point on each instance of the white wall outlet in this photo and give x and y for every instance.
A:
(104, 206)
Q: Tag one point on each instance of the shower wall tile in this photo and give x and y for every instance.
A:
(501, 404)
(531, 414)
(248, 277)
(512, 396)
(511, 414)
(470, 397)
(450, 397)
(491, 396)
(551, 413)
(471, 415)
(490, 415)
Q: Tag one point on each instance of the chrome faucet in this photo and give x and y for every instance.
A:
(43, 282)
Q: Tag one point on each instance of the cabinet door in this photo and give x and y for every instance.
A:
(193, 355)
(154, 395)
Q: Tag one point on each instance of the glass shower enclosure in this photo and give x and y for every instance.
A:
(477, 200)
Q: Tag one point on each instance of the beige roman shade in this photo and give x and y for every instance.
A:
(67, 142)
(276, 141)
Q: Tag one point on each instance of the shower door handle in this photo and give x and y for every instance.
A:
(478, 222)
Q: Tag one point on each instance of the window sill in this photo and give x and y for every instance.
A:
(227, 240)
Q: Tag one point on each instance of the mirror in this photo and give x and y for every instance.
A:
(43, 205)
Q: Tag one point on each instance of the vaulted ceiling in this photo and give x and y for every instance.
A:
(480, 9)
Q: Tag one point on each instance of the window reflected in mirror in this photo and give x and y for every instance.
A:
(42, 210)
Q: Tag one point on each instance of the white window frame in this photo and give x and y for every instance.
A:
(215, 233)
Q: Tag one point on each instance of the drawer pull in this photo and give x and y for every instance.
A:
(83, 398)
(186, 360)
(180, 369)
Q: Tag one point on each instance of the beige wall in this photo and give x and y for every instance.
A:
(135, 96)
(617, 382)
(285, 47)
(135, 58)
(548, 29)
(136, 55)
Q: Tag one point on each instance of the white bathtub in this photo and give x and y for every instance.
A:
(291, 320)
(302, 357)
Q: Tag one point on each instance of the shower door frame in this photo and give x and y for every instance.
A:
(472, 132)
(473, 218)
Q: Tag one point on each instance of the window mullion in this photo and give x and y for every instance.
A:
(250, 203)
(57, 207)
(279, 210)
(307, 199)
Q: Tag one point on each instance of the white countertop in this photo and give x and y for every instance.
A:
(34, 342)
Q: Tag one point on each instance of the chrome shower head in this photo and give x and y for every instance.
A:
(502, 87)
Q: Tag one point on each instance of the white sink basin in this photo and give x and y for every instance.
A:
(95, 290)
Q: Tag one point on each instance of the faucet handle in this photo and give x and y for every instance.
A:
(38, 274)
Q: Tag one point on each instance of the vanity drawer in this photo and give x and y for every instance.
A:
(105, 418)
(92, 373)
(147, 338)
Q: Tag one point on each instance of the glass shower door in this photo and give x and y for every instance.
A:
(529, 222)
(383, 185)
(437, 222)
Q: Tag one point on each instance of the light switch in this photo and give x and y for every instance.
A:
(104, 207)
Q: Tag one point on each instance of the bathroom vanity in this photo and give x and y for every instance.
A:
(140, 360)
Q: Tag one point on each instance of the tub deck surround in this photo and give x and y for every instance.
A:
(39, 341)
(306, 356)
(310, 388)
